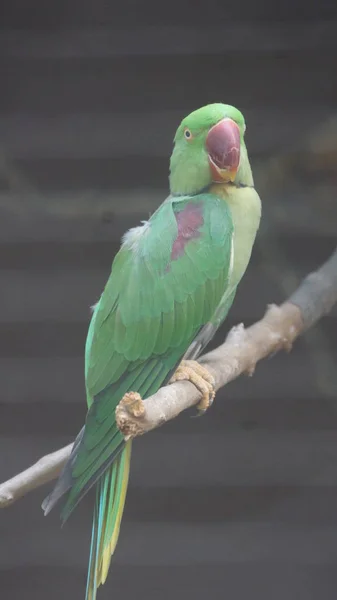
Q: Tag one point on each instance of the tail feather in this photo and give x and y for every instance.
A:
(91, 580)
(110, 500)
(64, 481)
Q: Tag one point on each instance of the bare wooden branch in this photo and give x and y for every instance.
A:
(44, 470)
(239, 354)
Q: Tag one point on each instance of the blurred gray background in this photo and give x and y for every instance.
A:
(243, 502)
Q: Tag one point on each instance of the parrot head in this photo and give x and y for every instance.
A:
(208, 147)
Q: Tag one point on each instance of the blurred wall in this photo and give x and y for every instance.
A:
(243, 501)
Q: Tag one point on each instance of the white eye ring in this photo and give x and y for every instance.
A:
(187, 134)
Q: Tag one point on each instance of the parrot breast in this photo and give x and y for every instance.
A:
(245, 206)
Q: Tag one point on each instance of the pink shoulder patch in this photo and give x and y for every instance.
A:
(189, 221)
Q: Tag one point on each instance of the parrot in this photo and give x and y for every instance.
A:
(171, 286)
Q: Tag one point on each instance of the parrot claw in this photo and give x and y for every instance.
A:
(191, 370)
(133, 403)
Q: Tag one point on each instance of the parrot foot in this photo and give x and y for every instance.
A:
(191, 370)
(130, 415)
(133, 404)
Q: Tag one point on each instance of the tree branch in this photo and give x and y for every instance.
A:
(243, 348)
(44, 470)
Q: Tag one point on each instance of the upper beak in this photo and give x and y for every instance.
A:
(223, 147)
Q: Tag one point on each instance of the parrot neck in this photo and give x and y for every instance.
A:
(244, 176)
(188, 175)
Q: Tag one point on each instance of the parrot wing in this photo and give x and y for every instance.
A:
(165, 284)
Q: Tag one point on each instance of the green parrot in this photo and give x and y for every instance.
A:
(171, 286)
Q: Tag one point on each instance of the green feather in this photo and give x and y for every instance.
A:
(109, 505)
(147, 349)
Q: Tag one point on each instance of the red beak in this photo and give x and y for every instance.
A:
(223, 147)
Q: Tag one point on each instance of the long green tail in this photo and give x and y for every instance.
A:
(110, 500)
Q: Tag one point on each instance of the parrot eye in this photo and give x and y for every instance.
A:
(188, 134)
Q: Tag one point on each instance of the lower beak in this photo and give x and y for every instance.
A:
(221, 175)
(223, 147)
